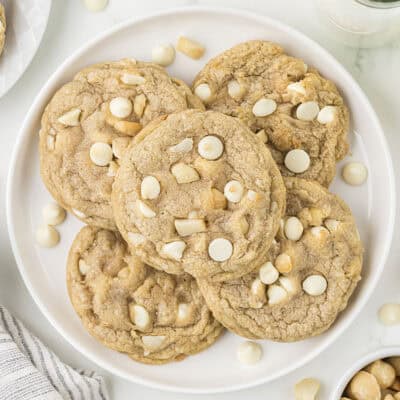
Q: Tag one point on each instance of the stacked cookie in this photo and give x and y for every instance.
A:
(191, 210)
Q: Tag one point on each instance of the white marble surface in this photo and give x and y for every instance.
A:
(377, 71)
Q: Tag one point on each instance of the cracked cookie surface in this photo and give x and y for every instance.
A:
(90, 121)
(197, 192)
(308, 279)
(236, 80)
(132, 308)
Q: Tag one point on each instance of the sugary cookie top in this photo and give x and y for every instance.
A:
(197, 192)
(287, 104)
(311, 270)
(91, 120)
(130, 307)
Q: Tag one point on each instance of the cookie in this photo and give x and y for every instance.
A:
(197, 193)
(2, 27)
(306, 280)
(287, 104)
(91, 120)
(132, 308)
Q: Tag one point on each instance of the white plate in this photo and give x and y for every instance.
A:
(26, 23)
(216, 369)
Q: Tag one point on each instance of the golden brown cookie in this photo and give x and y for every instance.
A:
(197, 193)
(91, 120)
(132, 308)
(287, 104)
(311, 271)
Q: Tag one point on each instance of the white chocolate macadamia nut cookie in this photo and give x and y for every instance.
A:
(312, 268)
(90, 122)
(152, 316)
(293, 105)
(221, 196)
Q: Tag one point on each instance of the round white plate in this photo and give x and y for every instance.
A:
(26, 23)
(216, 369)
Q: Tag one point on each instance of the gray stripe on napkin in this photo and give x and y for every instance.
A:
(30, 371)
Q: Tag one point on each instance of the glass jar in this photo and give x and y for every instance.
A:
(361, 23)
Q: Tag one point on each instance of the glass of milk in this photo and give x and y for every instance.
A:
(361, 23)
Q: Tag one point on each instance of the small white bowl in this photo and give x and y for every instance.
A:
(361, 363)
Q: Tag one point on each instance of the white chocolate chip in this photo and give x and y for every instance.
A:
(203, 91)
(163, 55)
(249, 352)
(389, 314)
(53, 214)
(78, 213)
(95, 5)
(293, 228)
(210, 147)
(144, 209)
(190, 48)
(184, 146)
(150, 187)
(120, 107)
(264, 107)
(288, 284)
(220, 249)
(186, 227)
(174, 250)
(51, 142)
(283, 263)
(327, 115)
(252, 195)
(235, 90)
(193, 215)
(47, 236)
(315, 285)
(297, 161)
(70, 118)
(152, 343)
(276, 294)
(307, 389)
(184, 173)
(331, 224)
(136, 238)
(139, 316)
(233, 191)
(83, 267)
(307, 111)
(296, 87)
(354, 173)
(101, 154)
(258, 288)
(183, 312)
(319, 231)
(268, 273)
(132, 79)
(112, 169)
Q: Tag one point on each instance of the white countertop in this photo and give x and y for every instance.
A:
(376, 70)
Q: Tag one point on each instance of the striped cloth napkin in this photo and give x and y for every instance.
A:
(29, 370)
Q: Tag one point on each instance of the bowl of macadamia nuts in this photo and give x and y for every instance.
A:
(376, 376)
